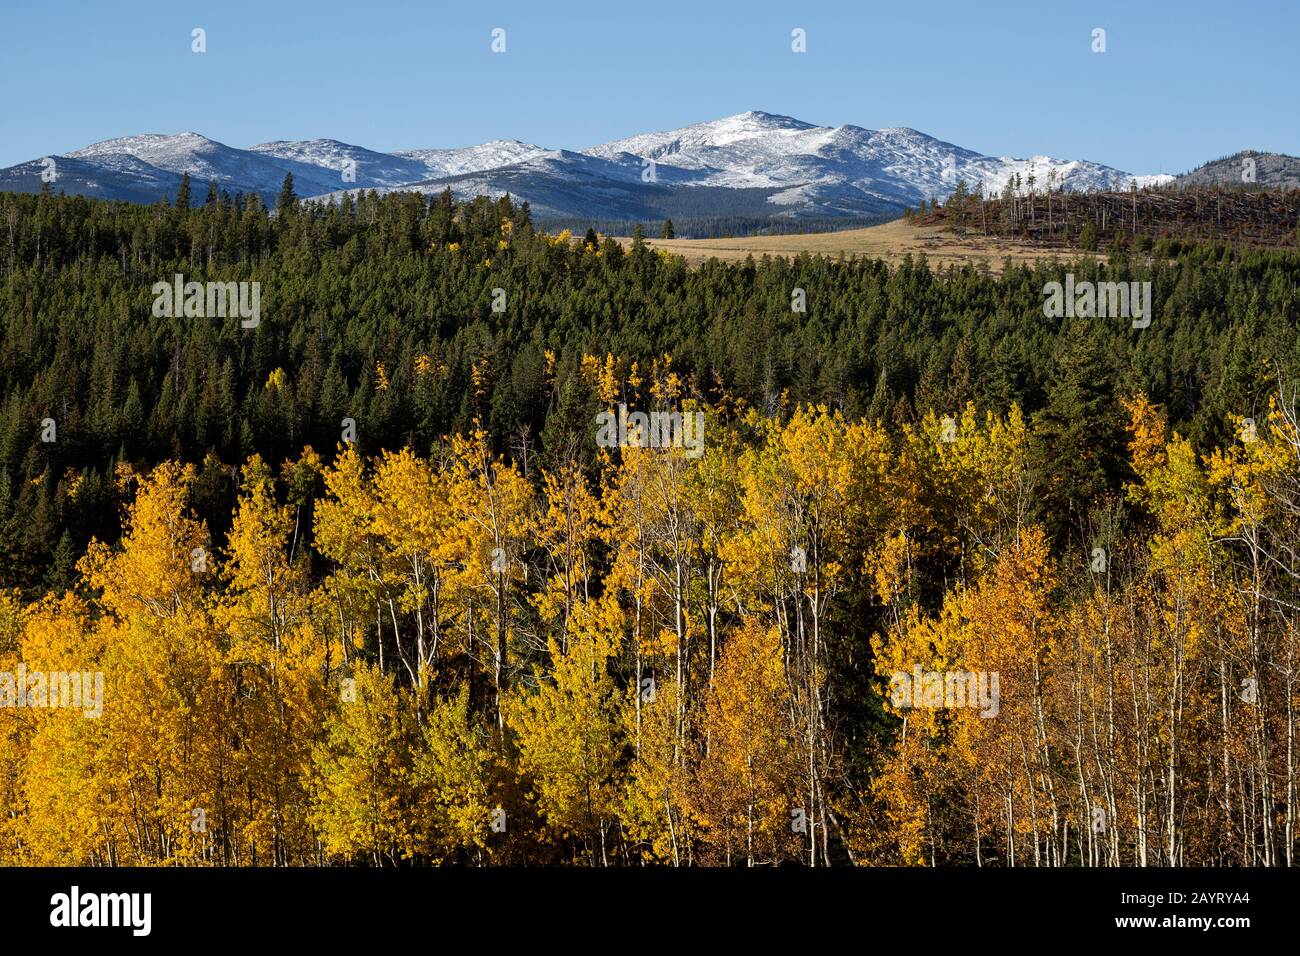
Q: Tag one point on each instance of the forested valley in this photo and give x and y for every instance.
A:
(365, 588)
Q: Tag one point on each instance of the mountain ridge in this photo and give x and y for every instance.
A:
(753, 164)
(1247, 167)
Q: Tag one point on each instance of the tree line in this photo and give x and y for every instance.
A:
(380, 310)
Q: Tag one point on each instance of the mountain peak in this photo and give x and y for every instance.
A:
(146, 142)
(752, 164)
(763, 118)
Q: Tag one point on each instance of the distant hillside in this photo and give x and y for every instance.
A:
(1271, 170)
(1260, 218)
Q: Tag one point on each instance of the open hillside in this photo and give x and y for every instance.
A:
(891, 242)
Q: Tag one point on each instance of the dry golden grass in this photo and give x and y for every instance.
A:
(890, 241)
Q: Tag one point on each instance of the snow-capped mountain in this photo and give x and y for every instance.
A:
(761, 150)
(753, 164)
(204, 159)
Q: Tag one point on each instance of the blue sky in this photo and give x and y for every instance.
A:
(1180, 82)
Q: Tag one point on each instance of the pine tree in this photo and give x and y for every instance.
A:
(287, 199)
(1088, 237)
(61, 575)
(1078, 454)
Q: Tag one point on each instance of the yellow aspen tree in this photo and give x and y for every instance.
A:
(492, 505)
(412, 519)
(567, 733)
(747, 799)
(15, 732)
(971, 483)
(344, 531)
(992, 754)
(566, 531)
(163, 713)
(817, 505)
(1011, 631)
(655, 807)
(625, 515)
(919, 770)
(1256, 477)
(275, 669)
(360, 772)
(452, 777)
(164, 555)
(1186, 628)
(653, 523)
(713, 486)
(65, 796)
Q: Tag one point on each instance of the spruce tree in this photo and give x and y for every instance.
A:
(1079, 449)
(63, 564)
(287, 199)
(1088, 237)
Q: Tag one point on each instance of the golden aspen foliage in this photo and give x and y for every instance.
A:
(747, 784)
(655, 805)
(566, 530)
(567, 730)
(969, 478)
(809, 638)
(452, 777)
(492, 506)
(274, 674)
(15, 731)
(414, 534)
(164, 556)
(1001, 629)
(360, 772)
(64, 775)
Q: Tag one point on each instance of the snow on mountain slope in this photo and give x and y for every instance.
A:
(556, 184)
(471, 159)
(692, 146)
(204, 159)
(327, 161)
(760, 149)
(753, 164)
